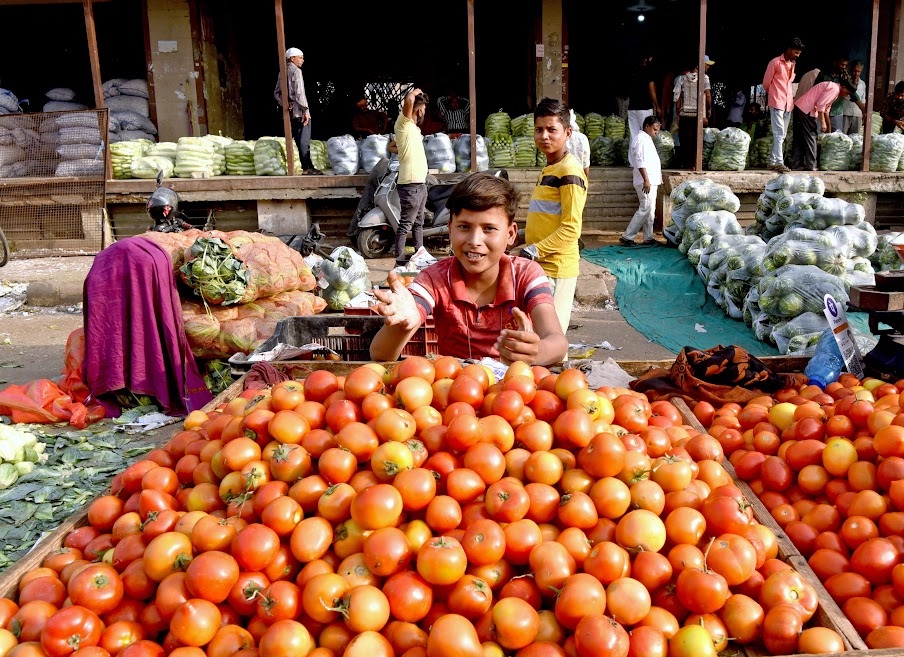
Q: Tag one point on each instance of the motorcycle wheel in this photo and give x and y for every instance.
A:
(374, 242)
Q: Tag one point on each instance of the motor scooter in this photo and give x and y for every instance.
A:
(375, 228)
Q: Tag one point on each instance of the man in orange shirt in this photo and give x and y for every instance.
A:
(777, 82)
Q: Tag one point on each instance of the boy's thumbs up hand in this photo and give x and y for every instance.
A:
(522, 320)
(396, 304)
(520, 343)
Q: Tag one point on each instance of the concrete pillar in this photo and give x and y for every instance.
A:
(282, 217)
(549, 77)
(173, 69)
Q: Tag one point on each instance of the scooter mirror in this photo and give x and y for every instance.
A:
(159, 178)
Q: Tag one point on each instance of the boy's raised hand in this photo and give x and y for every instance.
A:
(397, 305)
(520, 343)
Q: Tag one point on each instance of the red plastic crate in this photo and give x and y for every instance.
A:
(422, 343)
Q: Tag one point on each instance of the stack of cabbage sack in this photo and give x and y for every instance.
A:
(462, 149)
(816, 246)
(693, 196)
(247, 282)
(778, 200)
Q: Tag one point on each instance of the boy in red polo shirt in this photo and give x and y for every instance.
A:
(483, 302)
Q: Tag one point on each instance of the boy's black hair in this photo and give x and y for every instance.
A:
(899, 88)
(553, 107)
(484, 191)
(421, 99)
(650, 120)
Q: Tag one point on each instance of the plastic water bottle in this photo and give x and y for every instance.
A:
(826, 364)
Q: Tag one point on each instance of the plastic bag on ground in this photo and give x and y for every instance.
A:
(346, 276)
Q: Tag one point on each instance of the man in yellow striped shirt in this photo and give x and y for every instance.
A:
(556, 207)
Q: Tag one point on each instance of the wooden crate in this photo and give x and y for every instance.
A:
(828, 613)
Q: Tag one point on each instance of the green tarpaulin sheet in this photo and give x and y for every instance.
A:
(661, 296)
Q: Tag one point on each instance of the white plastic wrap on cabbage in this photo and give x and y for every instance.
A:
(343, 153)
(697, 195)
(795, 289)
(730, 150)
(498, 124)
(834, 151)
(150, 165)
(121, 155)
(594, 125)
(319, 157)
(885, 152)
(194, 157)
(374, 148)
(723, 247)
(797, 182)
(708, 222)
(604, 152)
(802, 246)
(855, 156)
(665, 147)
(164, 149)
(821, 212)
(438, 148)
(709, 140)
(799, 335)
(270, 157)
(240, 158)
(886, 257)
(219, 155)
(462, 149)
(346, 276)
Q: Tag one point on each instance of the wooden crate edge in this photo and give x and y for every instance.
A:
(828, 613)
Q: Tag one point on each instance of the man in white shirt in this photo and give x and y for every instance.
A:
(647, 178)
(852, 120)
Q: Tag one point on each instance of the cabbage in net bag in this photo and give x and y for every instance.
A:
(239, 267)
(224, 331)
(792, 290)
(730, 150)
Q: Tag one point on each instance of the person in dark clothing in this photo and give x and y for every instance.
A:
(893, 111)
(642, 94)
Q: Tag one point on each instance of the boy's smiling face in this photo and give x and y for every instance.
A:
(479, 239)
(550, 135)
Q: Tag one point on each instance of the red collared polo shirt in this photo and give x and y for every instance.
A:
(463, 329)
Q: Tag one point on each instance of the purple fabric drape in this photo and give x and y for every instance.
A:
(134, 334)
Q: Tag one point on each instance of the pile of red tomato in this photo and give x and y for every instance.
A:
(428, 511)
(829, 466)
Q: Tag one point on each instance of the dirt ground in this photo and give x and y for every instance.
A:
(33, 343)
